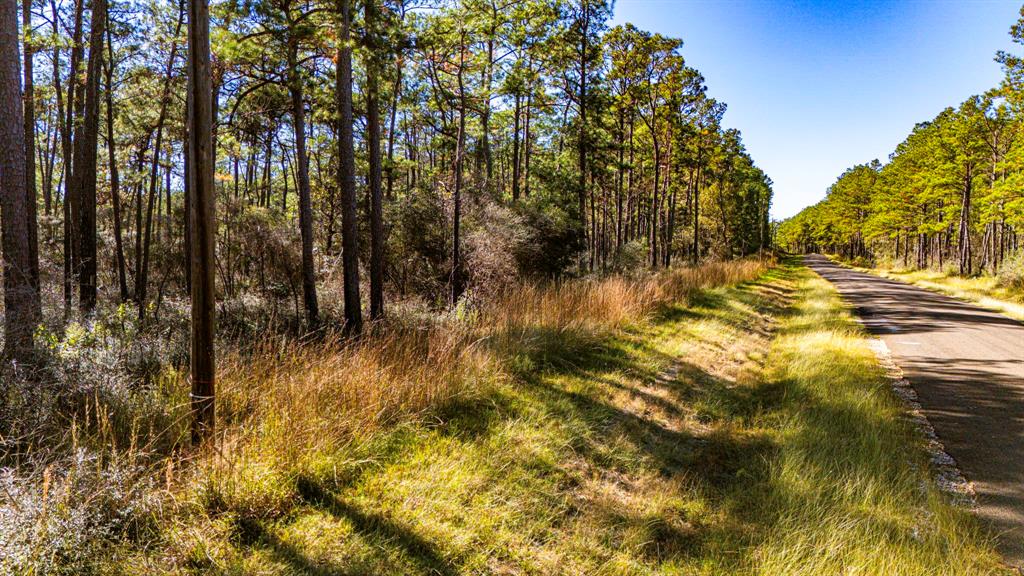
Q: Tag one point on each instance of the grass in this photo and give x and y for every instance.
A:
(851, 498)
(724, 420)
(985, 291)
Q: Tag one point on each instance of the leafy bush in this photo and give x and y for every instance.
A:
(552, 241)
(1011, 273)
(494, 235)
(418, 250)
(632, 256)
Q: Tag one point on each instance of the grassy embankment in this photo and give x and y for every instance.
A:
(618, 427)
(985, 291)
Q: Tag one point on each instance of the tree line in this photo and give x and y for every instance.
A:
(159, 150)
(950, 194)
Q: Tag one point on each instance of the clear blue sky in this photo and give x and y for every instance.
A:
(816, 87)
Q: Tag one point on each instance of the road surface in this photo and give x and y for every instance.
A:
(967, 366)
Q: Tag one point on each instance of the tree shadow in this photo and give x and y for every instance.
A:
(421, 551)
(251, 532)
(572, 377)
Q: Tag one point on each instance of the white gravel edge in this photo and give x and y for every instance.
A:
(948, 477)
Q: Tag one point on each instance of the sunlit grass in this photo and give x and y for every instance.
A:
(724, 420)
(850, 490)
(773, 446)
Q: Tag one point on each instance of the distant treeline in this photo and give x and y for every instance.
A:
(951, 194)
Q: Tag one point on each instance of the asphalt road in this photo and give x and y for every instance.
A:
(967, 366)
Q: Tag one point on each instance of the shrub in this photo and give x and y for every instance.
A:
(418, 252)
(632, 256)
(1011, 272)
(552, 243)
(63, 517)
(494, 235)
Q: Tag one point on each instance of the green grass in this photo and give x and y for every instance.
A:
(852, 499)
(748, 432)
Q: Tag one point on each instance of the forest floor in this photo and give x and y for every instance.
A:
(747, 431)
(985, 291)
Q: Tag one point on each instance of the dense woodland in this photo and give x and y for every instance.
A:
(246, 233)
(399, 150)
(950, 195)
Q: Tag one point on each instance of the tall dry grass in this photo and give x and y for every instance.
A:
(295, 399)
(288, 409)
(608, 303)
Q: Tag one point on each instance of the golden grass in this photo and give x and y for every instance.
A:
(851, 491)
(669, 424)
(608, 303)
(985, 291)
(776, 449)
(285, 407)
(299, 414)
(297, 398)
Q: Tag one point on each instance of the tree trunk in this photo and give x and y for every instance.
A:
(139, 220)
(515, 149)
(631, 201)
(696, 209)
(90, 129)
(70, 154)
(284, 175)
(526, 144)
(485, 115)
(653, 232)
(309, 298)
(115, 180)
(391, 132)
(346, 177)
(582, 138)
(460, 145)
(374, 180)
(20, 297)
(30, 153)
(965, 226)
(203, 222)
(670, 228)
(64, 137)
(620, 177)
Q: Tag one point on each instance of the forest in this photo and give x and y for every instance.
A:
(427, 153)
(244, 240)
(470, 287)
(949, 197)
(412, 152)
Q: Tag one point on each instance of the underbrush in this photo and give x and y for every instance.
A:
(1011, 273)
(101, 469)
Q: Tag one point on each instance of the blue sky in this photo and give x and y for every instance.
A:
(816, 87)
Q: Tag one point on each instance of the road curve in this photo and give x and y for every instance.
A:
(967, 366)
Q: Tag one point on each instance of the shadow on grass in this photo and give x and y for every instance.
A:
(252, 533)
(424, 553)
(571, 376)
(728, 466)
